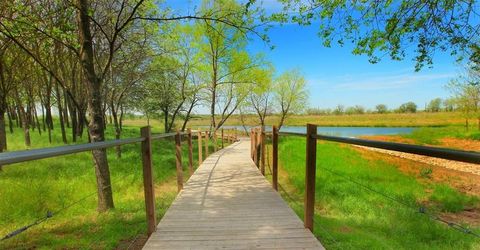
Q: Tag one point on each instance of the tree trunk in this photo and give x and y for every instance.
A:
(37, 121)
(10, 121)
(3, 132)
(118, 132)
(65, 109)
(60, 114)
(25, 125)
(165, 120)
(94, 98)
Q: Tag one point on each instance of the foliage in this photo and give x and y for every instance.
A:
(381, 108)
(434, 105)
(290, 94)
(378, 28)
(408, 107)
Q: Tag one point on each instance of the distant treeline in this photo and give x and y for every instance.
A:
(435, 105)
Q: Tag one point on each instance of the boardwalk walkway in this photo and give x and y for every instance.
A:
(228, 204)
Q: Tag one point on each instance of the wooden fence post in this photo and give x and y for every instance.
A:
(215, 145)
(255, 155)
(206, 144)
(258, 152)
(222, 139)
(251, 143)
(178, 154)
(190, 150)
(148, 186)
(274, 158)
(200, 153)
(310, 175)
(262, 149)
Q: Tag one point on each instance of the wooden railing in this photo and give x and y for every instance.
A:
(146, 138)
(257, 136)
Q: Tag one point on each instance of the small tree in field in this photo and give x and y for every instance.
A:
(381, 109)
(409, 107)
(434, 105)
(290, 94)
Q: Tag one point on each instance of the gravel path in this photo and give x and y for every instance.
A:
(455, 165)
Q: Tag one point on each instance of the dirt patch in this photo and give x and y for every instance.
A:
(463, 144)
(470, 217)
(136, 243)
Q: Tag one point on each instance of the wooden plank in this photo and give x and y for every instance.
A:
(148, 185)
(228, 204)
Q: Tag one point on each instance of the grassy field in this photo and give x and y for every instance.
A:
(369, 120)
(31, 190)
(349, 215)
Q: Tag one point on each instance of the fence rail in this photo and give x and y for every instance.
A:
(311, 157)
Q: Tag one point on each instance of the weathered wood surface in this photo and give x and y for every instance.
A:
(228, 204)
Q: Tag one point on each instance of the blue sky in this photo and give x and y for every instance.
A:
(335, 76)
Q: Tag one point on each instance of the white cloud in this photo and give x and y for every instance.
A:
(389, 81)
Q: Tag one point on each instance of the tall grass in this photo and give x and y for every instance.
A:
(350, 216)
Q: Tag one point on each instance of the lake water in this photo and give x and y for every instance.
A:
(342, 131)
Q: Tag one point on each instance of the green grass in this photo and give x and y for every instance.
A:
(29, 190)
(348, 216)
(432, 135)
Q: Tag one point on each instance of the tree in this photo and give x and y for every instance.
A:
(385, 27)
(381, 108)
(260, 98)
(409, 107)
(466, 97)
(357, 109)
(290, 94)
(339, 110)
(434, 105)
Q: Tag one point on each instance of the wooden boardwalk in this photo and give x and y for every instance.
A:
(228, 204)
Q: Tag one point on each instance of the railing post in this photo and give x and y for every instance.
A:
(148, 186)
(255, 155)
(310, 175)
(206, 144)
(222, 140)
(262, 149)
(252, 143)
(274, 158)
(178, 154)
(200, 153)
(258, 152)
(215, 145)
(190, 151)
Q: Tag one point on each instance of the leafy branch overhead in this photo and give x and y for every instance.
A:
(392, 28)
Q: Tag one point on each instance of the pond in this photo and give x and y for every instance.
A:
(341, 131)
